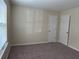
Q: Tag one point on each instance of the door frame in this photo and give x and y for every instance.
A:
(69, 31)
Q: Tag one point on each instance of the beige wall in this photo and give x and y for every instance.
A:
(74, 27)
(19, 35)
(30, 25)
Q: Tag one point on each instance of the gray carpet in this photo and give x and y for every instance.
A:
(43, 51)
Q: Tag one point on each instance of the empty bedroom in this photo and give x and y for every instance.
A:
(39, 29)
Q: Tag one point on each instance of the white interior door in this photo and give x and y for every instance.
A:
(52, 28)
(64, 26)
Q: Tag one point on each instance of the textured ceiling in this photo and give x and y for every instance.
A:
(56, 5)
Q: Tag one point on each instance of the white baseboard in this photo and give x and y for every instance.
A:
(28, 43)
(74, 48)
(3, 50)
(71, 47)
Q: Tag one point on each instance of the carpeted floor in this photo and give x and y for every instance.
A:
(43, 51)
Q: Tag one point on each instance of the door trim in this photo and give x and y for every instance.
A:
(69, 30)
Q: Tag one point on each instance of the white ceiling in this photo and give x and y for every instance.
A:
(57, 5)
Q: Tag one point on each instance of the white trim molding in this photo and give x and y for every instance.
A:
(74, 48)
(5, 51)
(20, 44)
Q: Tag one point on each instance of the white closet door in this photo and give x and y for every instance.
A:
(64, 26)
(52, 28)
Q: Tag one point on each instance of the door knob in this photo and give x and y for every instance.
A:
(67, 32)
(49, 30)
